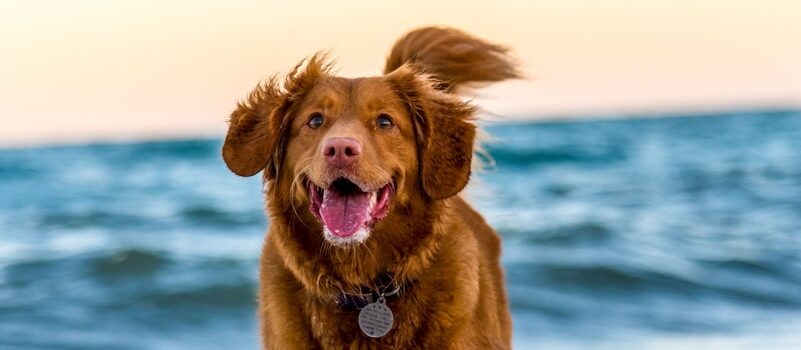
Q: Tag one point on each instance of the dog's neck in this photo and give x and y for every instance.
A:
(383, 287)
(328, 271)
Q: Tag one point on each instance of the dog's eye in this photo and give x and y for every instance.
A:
(384, 122)
(315, 120)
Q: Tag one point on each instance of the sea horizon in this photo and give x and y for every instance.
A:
(485, 119)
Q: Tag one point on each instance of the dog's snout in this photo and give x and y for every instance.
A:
(341, 151)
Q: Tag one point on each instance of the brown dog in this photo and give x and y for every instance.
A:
(362, 179)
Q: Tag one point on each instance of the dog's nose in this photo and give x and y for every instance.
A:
(341, 151)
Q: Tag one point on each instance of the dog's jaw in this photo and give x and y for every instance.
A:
(358, 237)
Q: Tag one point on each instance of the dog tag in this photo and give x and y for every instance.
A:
(375, 319)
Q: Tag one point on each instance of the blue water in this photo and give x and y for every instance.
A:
(618, 234)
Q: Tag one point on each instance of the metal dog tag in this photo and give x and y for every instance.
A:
(375, 319)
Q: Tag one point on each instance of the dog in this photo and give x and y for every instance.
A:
(370, 245)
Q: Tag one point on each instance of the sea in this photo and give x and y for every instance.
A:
(672, 232)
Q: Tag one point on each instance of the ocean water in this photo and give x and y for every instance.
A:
(618, 234)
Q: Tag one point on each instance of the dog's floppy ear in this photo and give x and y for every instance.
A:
(254, 130)
(258, 126)
(444, 130)
(454, 58)
(450, 59)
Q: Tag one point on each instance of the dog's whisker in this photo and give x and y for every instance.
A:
(293, 188)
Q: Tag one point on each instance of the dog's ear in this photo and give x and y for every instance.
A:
(254, 130)
(444, 130)
(454, 58)
(257, 128)
(448, 136)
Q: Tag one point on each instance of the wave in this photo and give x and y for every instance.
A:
(96, 218)
(526, 157)
(636, 284)
(190, 216)
(584, 233)
(212, 215)
(128, 262)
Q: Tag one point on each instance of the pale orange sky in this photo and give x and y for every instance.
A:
(75, 70)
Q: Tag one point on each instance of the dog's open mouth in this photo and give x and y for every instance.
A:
(345, 209)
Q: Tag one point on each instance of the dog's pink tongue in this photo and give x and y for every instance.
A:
(344, 214)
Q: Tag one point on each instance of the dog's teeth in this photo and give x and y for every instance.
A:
(373, 198)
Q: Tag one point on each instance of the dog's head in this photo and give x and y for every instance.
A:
(368, 157)
(348, 153)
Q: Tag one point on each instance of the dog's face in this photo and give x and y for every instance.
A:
(352, 145)
(349, 153)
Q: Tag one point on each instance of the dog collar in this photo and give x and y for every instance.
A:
(385, 287)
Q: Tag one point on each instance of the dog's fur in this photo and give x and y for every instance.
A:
(431, 241)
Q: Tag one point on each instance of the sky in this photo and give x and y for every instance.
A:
(77, 70)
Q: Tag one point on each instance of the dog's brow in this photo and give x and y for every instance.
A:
(326, 102)
(376, 104)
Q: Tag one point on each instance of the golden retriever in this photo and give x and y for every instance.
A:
(369, 245)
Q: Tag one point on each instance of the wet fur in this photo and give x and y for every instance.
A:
(432, 242)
